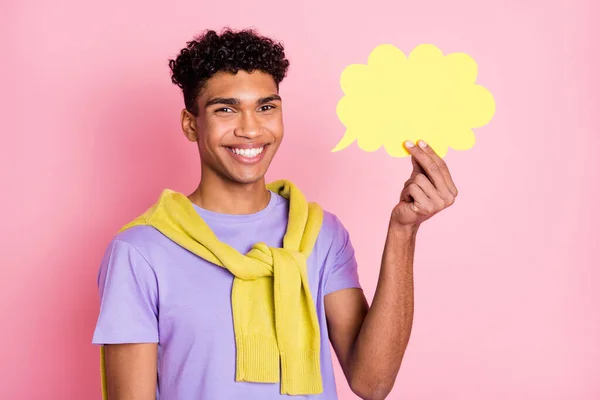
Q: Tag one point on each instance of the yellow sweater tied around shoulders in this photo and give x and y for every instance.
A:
(275, 321)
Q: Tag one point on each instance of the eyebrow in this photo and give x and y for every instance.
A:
(234, 102)
(268, 99)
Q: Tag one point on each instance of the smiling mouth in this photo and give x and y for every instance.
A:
(253, 152)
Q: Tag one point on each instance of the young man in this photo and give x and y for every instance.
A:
(236, 290)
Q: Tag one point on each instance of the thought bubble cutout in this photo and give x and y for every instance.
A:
(429, 96)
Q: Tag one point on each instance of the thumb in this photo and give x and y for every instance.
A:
(413, 206)
(409, 206)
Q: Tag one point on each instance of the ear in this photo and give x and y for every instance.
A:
(189, 125)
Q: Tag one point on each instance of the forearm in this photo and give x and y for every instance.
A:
(384, 335)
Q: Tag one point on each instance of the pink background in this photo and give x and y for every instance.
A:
(506, 280)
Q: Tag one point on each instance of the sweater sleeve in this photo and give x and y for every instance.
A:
(128, 297)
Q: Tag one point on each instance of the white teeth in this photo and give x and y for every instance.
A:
(250, 153)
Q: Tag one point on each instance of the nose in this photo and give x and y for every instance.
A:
(249, 126)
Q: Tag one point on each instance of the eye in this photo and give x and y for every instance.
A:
(224, 110)
(266, 107)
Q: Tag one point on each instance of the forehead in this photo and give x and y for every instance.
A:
(242, 85)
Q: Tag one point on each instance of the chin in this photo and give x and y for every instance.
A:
(248, 180)
(247, 175)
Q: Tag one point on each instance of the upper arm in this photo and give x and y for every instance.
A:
(345, 302)
(128, 297)
(127, 323)
(131, 371)
(345, 311)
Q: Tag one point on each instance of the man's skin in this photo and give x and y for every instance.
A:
(245, 110)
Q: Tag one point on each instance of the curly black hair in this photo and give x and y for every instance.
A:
(230, 51)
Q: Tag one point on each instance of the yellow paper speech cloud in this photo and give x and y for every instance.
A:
(429, 96)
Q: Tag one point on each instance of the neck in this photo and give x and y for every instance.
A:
(226, 197)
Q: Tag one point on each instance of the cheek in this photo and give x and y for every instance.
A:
(215, 130)
(275, 126)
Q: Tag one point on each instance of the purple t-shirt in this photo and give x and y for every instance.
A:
(154, 291)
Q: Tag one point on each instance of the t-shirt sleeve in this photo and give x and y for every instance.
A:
(128, 297)
(344, 270)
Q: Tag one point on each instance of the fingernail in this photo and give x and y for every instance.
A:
(422, 144)
(409, 143)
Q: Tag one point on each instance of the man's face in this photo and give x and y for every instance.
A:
(239, 125)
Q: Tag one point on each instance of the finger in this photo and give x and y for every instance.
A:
(443, 167)
(417, 169)
(440, 200)
(421, 202)
(430, 167)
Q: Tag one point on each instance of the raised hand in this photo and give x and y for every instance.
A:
(429, 189)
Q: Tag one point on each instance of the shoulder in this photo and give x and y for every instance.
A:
(137, 243)
(132, 240)
(126, 261)
(332, 223)
(139, 236)
(334, 233)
